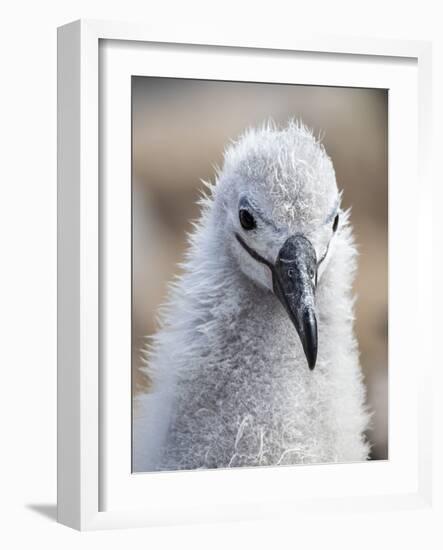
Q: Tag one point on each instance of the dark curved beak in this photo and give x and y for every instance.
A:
(294, 279)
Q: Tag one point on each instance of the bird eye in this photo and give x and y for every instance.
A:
(335, 224)
(246, 219)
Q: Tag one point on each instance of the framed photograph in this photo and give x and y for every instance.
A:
(241, 276)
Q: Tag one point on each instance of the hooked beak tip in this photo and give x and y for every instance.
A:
(309, 338)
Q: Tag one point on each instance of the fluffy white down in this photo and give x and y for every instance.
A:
(230, 383)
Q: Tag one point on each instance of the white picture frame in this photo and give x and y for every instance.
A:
(95, 486)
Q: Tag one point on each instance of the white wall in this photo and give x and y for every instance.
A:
(28, 269)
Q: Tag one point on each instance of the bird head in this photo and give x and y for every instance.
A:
(280, 210)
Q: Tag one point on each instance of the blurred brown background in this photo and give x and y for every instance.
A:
(180, 129)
